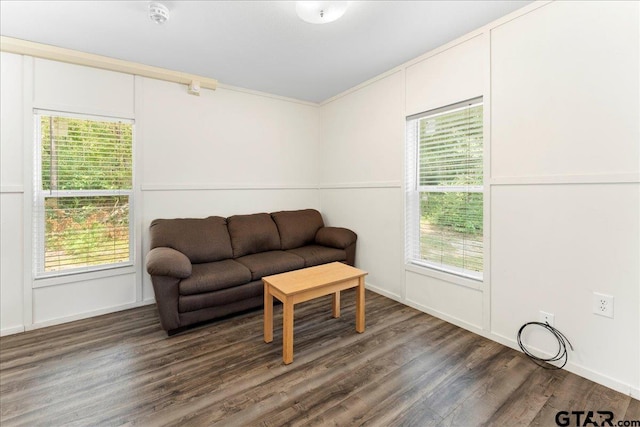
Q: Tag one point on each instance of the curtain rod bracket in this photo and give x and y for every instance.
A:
(194, 88)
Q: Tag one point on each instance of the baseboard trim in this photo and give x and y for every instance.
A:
(620, 386)
(574, 368)
(423, 308)
(451, 319)
(383, 292)
(88, 314)
(580, 370)
(11, 331)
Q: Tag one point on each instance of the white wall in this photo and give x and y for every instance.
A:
(11, 193)
(553, 246)
(225, 152)
(361, 164)
(561, 88)
(564, 85)
(450, 75)
(225, 138)
(565, 158)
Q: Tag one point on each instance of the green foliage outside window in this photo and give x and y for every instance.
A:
(459, 212)
(80, 156)
(87, 154)
(450, 180)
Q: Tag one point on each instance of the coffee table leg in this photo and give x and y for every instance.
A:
(336, 304)
(360, 305)
(287, 331)
(268, 314)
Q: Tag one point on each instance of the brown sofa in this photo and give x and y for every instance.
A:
(203, 269)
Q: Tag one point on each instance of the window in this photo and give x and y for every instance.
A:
(83, 194)
(444, 185)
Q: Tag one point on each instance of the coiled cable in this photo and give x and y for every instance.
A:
(562, 354)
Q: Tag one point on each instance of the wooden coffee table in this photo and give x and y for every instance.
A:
(304, 285)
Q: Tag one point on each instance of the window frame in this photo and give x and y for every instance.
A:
(40, 195)
(413, 192)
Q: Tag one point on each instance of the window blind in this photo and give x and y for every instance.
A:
(444, 182)
(83, 195)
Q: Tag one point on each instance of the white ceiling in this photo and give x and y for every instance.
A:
(256, 45)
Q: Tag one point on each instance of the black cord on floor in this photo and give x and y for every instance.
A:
(562, 347)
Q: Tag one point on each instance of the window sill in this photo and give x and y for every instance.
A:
(44, 282)
(444, 276)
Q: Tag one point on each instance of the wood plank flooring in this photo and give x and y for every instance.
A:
(408, 368)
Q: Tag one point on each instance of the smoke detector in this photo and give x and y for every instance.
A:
(158, 13)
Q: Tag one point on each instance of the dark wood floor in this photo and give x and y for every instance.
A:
(408, 368)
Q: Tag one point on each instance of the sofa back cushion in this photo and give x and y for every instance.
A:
(297, 228)
(251, 234)
(201, 240)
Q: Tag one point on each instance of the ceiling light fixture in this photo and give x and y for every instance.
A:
(320, 12)
(158, 13)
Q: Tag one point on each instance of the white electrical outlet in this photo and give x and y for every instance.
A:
(603, 304)
(546, 318)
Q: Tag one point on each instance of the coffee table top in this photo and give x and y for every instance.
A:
(296, 281)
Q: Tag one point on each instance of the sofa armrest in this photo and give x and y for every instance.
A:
(335, 237)
(168, 262)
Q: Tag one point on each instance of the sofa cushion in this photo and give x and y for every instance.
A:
(252, 234)
(273, 262)
(239, 298)
(316, 255)
(297, 228)
(201, 240)
(213, 276)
